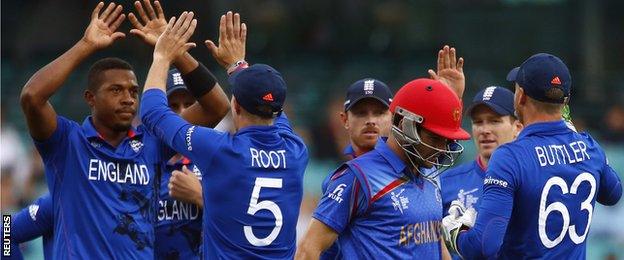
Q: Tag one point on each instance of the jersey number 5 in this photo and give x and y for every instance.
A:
(254, 207)
(563, 210)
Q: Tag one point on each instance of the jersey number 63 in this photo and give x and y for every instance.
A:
(545, 210)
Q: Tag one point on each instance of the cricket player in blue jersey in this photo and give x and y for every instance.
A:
(384, 204)
(539, 190)
(101, 174)
(254, 178)
(493, 124)
(178, 229)
(32, 222)
(366, 118)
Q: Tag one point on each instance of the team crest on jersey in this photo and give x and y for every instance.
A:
(467, 198)
(32, 210)
(399, 202)
(136, 145)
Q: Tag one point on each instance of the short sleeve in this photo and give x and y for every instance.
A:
(342, 200)
(33, 221)
(57, 143)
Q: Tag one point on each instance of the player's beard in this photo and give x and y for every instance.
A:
(122, 126)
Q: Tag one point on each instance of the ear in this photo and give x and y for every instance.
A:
(236, 106)
(89, 98)
(344, 117)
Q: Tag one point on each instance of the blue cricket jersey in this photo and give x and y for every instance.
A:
(103, 196)
(464, 183)
(36, 220)
(539, 195)
(381, 210)
(178, 229)
(253, 181)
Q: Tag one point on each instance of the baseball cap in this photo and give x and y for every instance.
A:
(540, 74)
(368, 88)
(259, 85)
(499, 99)
(175, 82)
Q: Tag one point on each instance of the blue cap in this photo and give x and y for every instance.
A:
(259, 85)
(499, 99)
(540, 74)
(175, 82)
(368, 88)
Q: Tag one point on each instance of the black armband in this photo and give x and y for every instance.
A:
(199, 81)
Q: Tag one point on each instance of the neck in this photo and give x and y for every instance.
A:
(533, 116)
(246, 121)
(358, 150)
(109, 135)
(484, 161)
(394, 146)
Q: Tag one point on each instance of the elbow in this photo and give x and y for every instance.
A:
(29, 98)
(613, 197)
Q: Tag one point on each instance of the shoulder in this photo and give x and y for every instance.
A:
(464, 168)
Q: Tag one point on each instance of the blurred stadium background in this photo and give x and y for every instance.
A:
(321, 47)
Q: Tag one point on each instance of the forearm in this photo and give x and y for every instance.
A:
(45, 82)
(157, 75)
(186, 63)
(212, 103)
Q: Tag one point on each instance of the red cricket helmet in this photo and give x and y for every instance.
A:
(433, 106)
(437, 105)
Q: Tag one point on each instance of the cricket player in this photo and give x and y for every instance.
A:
(101, 173)
(384, 204)
(178, 228)
(493, 124)
(539, 191)
(32, 222)
(366, 118)
(254, 178)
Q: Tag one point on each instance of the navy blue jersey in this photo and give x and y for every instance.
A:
(178, 229)
(36, 220)
(381, 210)
(541, 189)
(104, 204)
(463, 183)
(253, 181)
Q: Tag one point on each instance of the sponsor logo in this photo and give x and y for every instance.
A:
(399, 202)
(337, 193)
(489, 180)
(32, 210)
(189, 134)
(177, 79)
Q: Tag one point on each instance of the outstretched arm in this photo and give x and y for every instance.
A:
(101, 33)
(212, 103)
(318, 238)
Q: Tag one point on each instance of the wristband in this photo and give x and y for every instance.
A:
(241, 64)
(199, 81)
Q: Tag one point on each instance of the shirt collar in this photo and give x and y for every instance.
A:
(393, 159)
(548, 128)
(479, 165)
(90, 132)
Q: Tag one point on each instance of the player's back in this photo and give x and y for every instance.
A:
(252, 193)
(556, 183)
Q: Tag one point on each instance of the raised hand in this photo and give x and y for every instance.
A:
(102, 30)
(154, 22)
(173, 42)
(232, 39)
(450, 70)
